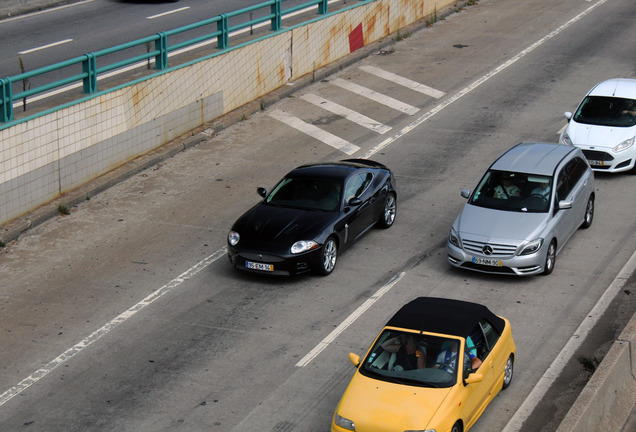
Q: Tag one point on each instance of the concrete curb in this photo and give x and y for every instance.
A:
(609, 398)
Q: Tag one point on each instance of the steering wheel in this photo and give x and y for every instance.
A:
(444, 367)
(545, 200)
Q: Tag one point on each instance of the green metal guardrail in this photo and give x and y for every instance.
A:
(90, 69)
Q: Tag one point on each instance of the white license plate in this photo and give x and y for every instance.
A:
(259, 266)
(487, 261)
(596, 163)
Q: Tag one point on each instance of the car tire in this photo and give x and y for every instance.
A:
(589, 213)
(328, 257)
(457, 427)
(388, 211)
(550, 258)
(508, 372)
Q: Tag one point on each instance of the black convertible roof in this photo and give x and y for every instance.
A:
(438, 315)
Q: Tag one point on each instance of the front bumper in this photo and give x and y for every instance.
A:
(281, 265)
(510, 264)
(607, 161)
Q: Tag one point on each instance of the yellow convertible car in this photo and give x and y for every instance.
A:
(435, 367)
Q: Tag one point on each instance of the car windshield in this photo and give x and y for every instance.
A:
(512, 191)
(413, 359)
(607, 111)
(304, 193)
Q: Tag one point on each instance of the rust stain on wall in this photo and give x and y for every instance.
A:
(370, 26)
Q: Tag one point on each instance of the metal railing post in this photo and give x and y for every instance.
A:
(89, 67)
(223, 39)
(6, 97)
(322, 7)
(161, 45)
(277, 19)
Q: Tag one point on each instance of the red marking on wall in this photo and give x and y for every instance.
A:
(356, 39)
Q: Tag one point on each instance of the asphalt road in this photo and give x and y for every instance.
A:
(73, 28)
(125, 315)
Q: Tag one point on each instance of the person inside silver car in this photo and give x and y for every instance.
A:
(507, 188)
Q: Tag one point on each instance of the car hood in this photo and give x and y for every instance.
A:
(599, 137)
(383, 406)
(501, 225)
(267, 223)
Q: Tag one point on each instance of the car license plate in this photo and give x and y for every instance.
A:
(596, 163)
(259, 266)
(487, 261)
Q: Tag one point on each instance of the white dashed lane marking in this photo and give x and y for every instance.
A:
(347, 113)
(405, 82)
(315, 132)
(375, 96)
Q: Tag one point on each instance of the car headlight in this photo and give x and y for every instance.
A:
(532, 247)
(343, 422)
(303, 246)
(453, 238)
(565, 139)
(233, 238)
(624, 145)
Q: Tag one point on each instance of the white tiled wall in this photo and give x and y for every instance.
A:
(46, 156)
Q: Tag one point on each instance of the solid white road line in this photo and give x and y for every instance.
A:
(350, 115)
(375, 96)
(405, 82)
(103, 331)
(570, 348)
(479, 82)
(349, 320)
(315, 132)
(46, 46)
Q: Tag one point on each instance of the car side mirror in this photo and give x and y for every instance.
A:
(563, 205)
(354, 359)
(262, 191)
(473, 378)
(568, 115)
(465, 193)
(355, 202)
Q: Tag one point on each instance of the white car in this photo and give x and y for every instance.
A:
(604, 126)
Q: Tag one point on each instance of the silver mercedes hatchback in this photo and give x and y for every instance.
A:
(523, 210)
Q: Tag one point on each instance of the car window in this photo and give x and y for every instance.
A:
(563, 185)
(413, 359)
(578, 169)
(606, 111)
(311, 194)
(483, 337)
(513, 191)
(357, 185)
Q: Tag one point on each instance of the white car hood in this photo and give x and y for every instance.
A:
(598, 137)
(499, 225)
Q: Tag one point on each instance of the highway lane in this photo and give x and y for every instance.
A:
(53, 35)
(219, 350)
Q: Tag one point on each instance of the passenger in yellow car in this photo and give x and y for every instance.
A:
(447, 358)
(408, 354)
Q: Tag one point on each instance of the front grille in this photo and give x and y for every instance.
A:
(598, 155)
(498, 250)
(488, 269)
(250, 256)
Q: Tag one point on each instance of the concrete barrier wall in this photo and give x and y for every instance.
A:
(608, 399)
(41, 159)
